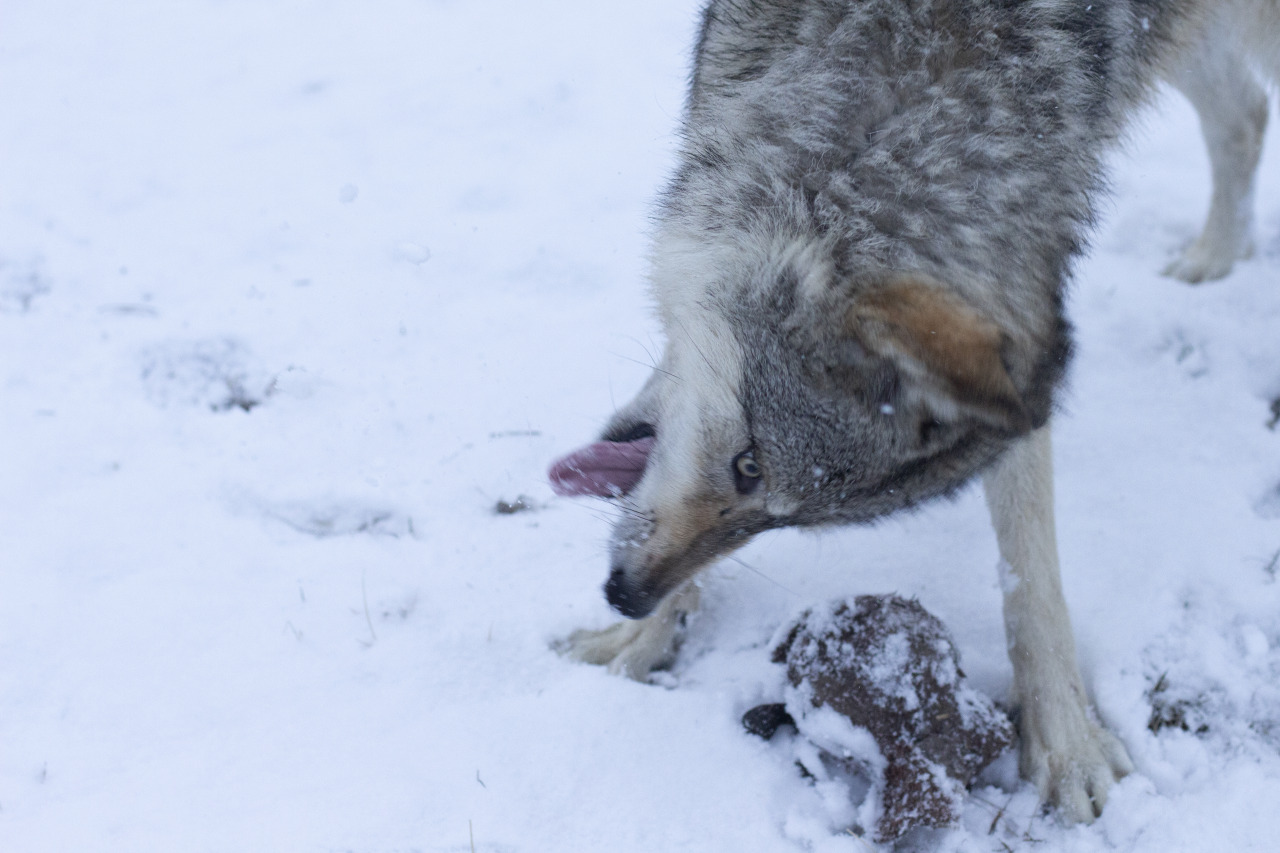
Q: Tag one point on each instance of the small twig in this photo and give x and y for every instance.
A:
(472, 832)
(1000, 810)
(481, 781)
(852, 832)
(1270, 567)
(1160, 685)
(996, 820)
(364, 594)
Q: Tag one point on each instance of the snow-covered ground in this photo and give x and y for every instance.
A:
(292, 293)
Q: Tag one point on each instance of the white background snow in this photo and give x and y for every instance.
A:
(293, 292)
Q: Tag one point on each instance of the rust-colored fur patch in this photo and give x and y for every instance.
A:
(942, 340)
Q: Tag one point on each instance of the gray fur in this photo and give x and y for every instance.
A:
(861, 265)
(852, 141)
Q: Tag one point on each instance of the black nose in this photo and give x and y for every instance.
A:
(626, 598)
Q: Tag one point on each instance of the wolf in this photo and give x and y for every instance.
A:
(860, 267)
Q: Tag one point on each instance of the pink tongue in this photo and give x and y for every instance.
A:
(606, 468)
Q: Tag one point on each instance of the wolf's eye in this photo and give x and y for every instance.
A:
(746, 473)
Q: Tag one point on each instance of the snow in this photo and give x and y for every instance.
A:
(293, 293)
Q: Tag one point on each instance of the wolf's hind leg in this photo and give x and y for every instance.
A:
(636, 647)
(1233, 117)
(1071, 759)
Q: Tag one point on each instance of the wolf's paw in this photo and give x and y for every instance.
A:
(1206, 260)
(1071, 759)
(633, 649)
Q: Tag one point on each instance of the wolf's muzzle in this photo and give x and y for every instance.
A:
(629, 600)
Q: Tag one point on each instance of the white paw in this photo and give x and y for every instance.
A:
(631, 648)
(635, 648)
(1071, 759)
(1206, 260)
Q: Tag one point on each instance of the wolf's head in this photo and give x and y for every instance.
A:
(797, 399)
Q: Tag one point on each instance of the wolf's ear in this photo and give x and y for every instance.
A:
(943, 348)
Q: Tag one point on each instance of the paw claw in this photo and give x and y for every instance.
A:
(1076, 772)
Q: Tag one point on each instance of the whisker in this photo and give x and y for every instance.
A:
(653, 362)
(642, 364)
(752, 568)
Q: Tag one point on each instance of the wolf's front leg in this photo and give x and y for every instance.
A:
(635, 647)
(1070, 758)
